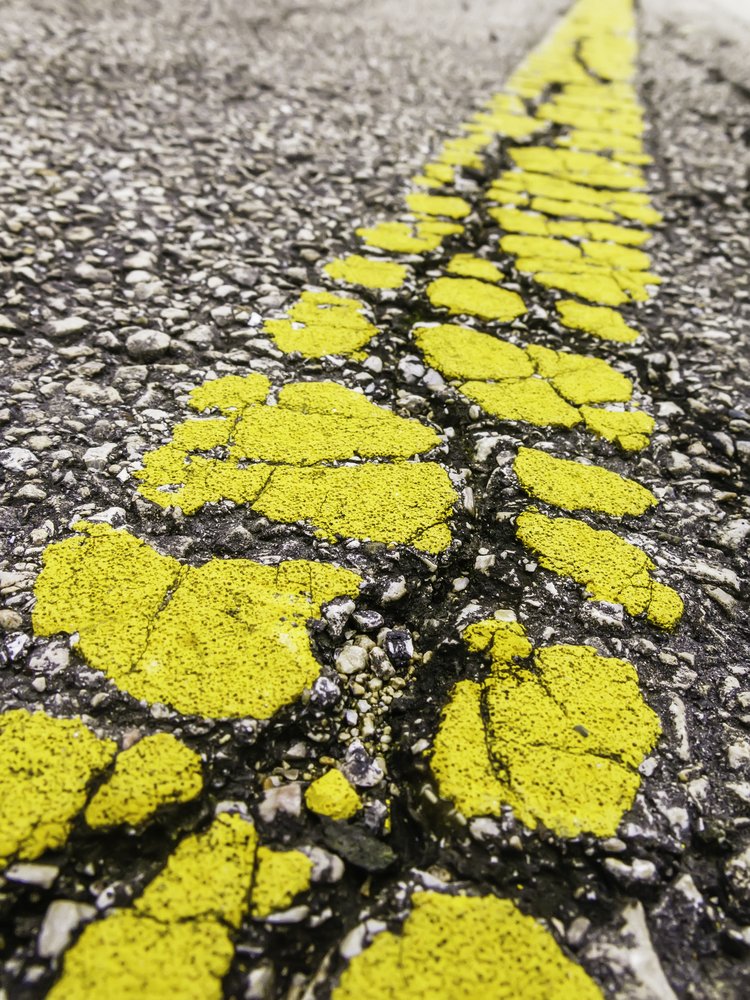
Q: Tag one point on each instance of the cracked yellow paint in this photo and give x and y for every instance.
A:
(577, 167)
(46, 767)
(155, 771)
(514, 220)
(367, 272)
(462, 353)
(535, 385)
(581, 379)
(332, 795)
(631, 430)
(574, 486)
(475, 298)
(462, 947)
(599, 321)
(468, 266)
(322, 323)
(403, 237)
(176, 939)
(609, 567)
(312, 423)
(449, 206)
(222, 640)
(560, 741)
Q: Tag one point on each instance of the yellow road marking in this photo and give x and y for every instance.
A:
(332, 795)
(313, 423)
(475, 298)
(226, 639)
(46, 766)
(367, 272)
(560, 742)
(611, 568)
(176, 939)
(574, 486)
(536, 385)
(322, 323)
(156, 771)
(453, 947)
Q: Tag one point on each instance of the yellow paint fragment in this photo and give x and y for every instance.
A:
(475, 298)
(630, 430)
(367, 272)
(441, 172)
(578, 167)
(514, 220)
(280, 876)
(501, 641)
(579, 378)
(461, 947)
(332, 795)
(559, 742)
(611, 568)
(46, 767)
(599, 288)
(463, 353)
(449, 206)
(312, 423)
(224, 640)
(571, 209)
(320, 324)
(531, 401)
(574, 486)
(176, 939)
(155, 771)
(468, 266)
(599, 321)
(401, 237)
(535, 385)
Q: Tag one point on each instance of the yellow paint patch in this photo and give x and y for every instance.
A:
(578, 167)
(581, 379)
(46, 767)
(630, 430)
(280, 876)
(559, 742)
(441, 172)
(401, 237)
(574, 486)
(223, 640)
(320, 324)
(536, 386)
(475, 298)
(367, 272)
(463, 353)
(449, 206)
(501, 641)
(312, 423)
(508, 125)
(332, 795)
(156, 771)
(531, 401)
(514, 220)
(468, 266)
(176, 939)
(610, 568)
(599, 321)
(460, 947)
(594, 287)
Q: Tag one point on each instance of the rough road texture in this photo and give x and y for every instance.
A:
(170, 180)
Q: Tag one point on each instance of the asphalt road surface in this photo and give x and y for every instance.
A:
(375, 401)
